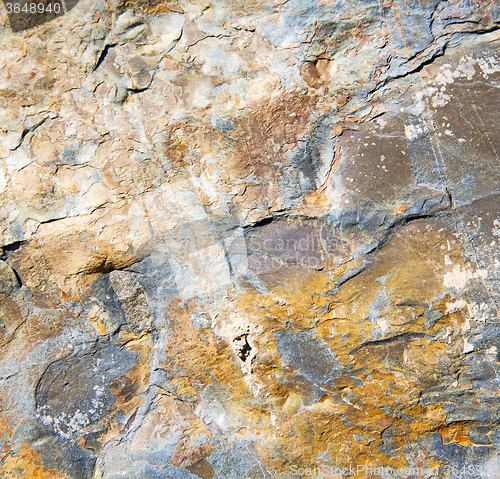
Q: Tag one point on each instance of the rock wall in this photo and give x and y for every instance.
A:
(247, 239)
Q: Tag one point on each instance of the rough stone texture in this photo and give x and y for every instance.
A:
(244, 239)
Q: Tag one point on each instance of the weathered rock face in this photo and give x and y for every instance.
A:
(251, 240)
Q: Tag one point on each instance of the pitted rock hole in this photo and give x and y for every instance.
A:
(73, 393)
(242, 346)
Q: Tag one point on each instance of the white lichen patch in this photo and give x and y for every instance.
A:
(436, 91)
(466, 68)
(458, 278)
(440, 99)
(412, 132)
(488, 65)
(446, 76)
(496, 227)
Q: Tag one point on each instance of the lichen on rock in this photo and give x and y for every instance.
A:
(250, 240)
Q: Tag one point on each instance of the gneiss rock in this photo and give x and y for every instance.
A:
(246, 239)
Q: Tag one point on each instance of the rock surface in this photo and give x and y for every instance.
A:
(251, 240)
